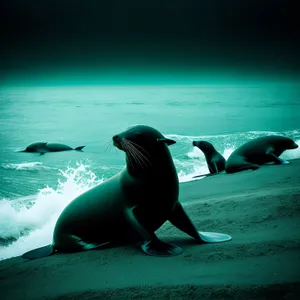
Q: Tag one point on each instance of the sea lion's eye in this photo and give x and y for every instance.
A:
(138, 134)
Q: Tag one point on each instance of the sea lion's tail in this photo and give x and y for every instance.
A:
(39, 252)
(79, 148)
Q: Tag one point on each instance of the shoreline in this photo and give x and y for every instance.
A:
(260, 209)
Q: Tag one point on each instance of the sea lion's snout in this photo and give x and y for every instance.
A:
(117, 141)
(194, 143)
(295, 146)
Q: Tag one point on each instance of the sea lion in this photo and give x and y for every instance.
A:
(49, 147)
(130, 206)
(215, 161)
(258, 152)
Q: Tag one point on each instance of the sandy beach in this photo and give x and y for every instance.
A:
(259, 209)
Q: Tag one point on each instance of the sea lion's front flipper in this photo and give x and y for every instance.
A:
(180, 219)
(156, 247)
(279, 161)
(275, 158)
(151, 245)
(215, 168)
(283, 162)
(39, 252)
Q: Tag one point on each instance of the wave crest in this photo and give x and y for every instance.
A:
(193, 161)
(30, 220)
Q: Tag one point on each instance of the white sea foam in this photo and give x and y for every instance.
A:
(31, 219)
(38, 214)
(237, 136)
(195, 153)
(186, 170)
(185, 177)
(26, 166)
(227, 152)
(292, 154)
(195, 164)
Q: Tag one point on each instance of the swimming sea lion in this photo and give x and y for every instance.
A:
(215, 161)
(258, 152)
(49, 147)
(130, 206)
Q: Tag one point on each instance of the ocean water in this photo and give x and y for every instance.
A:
(34, 188)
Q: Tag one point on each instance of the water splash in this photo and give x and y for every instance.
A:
(292, 154)
(26, 166)
(30, 220)
(193, 163)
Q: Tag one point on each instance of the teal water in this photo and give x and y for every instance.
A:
(34, 189)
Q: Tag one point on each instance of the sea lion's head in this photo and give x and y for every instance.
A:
(283, 143)
(35, 147)
(291, 144)
(142, 136)
(145, 147)
(204, 146)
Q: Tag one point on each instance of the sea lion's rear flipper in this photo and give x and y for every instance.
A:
(151, 245)
(239, 165)
(79, 148)
(39, 252)
(81, 245)
(180, 219)
(156, 247)
(202, 175)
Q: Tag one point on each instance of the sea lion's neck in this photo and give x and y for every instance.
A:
(160, 165)
(209, 154)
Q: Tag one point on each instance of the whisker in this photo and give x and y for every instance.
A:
(133, 154)
(112, 146)
(130, 158)
(108, 145)
(104, 141)
(131, 142)
(143, 155)
(139, 157)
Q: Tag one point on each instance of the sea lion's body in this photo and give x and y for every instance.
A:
(42, 147)
(215, 161)
(259, 151)
(130, 206)
(105, 207)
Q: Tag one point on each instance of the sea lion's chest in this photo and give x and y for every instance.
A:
(153, 199)
(150, 189)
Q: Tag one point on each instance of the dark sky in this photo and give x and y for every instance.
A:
(55, 36)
